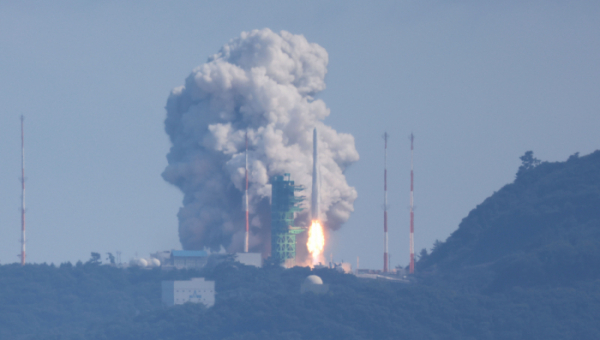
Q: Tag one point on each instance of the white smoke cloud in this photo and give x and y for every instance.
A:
(263, 83)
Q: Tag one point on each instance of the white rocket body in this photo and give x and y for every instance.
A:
(314, 199)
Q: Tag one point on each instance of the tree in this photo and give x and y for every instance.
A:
(436, 244)
(95, 259)
(110, 258)
(423, 254)
(528, 162)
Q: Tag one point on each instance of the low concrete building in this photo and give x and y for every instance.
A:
(196, 259)
(195, 290)
(189, 259)
(249, 259)
(377, 274)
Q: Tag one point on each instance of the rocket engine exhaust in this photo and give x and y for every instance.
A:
(316, 241)
(316, 237)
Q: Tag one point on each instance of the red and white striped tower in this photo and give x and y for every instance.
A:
(246, 200)
(385, 205)
(412, 212)
(22, 193)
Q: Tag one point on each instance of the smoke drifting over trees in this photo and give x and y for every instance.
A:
(262, 83)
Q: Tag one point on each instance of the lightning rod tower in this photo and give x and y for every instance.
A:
(412, 212)
(385, 205)
(246, 200)
(22, 192)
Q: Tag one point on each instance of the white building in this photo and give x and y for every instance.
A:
(195, 290)
(189, 259)
(197, 259)
(249, 259)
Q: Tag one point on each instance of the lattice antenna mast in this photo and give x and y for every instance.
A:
(22, 192)
(385, 206)
(412, 212)
(246, 201)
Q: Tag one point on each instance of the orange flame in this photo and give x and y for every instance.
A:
(316, 241)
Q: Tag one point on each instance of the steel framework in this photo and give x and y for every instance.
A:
(284, 203)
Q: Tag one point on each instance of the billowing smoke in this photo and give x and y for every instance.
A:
(262, 83)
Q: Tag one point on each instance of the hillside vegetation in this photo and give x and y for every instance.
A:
(522, 265)
(542, 229)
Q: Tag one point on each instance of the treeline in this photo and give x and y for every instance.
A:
(103, 302)
(365, 309)
(37, 301)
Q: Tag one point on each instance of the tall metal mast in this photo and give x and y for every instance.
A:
(22, 193)
(246, 200)
(412, 213)
(385, 205)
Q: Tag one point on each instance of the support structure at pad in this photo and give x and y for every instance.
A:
(284, 204)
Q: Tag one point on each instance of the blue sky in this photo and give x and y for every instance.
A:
(479, 83)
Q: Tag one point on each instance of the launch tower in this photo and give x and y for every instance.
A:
(284, 203)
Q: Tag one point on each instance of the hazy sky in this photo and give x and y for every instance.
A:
(478, 82)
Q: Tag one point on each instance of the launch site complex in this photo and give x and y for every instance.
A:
(251, 185)
(285, 204)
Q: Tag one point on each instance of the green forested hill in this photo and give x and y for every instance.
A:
(522, 265)
(542, 229)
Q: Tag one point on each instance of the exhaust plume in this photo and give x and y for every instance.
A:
(262, 83)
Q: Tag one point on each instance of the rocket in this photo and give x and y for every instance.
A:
(314, 199)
